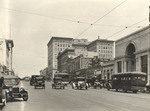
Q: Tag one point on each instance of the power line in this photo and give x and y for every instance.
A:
(126, 28)
(32, 13)
(100, 18)
(81, 22)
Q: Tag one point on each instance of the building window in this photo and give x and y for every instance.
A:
(144, 64)
(119, 65)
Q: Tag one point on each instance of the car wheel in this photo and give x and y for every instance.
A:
(124, 89)
(4, 103)
(135, 91)
(25, 96)
(108, 88)
(72, 87)
(86, 87)
(12, 99)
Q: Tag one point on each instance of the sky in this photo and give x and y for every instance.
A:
(32, 23)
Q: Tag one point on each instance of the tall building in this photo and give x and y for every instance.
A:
(80, 46)
(44, 73)
(103, 47)
(63, 58)
(6, 55)
(56, 45)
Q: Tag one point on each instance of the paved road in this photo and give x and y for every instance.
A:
(79, 100)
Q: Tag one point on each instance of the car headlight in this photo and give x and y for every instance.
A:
(10, 89)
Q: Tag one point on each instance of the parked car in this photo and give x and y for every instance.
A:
(97, 84)
(94, 82)
(39, 82)
(12, 88)
(58, 83)
(148, 88)
(32, 80)
(2, 92)
(79, 83)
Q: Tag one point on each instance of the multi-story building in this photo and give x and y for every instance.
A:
(44, 73)
(59, 44)
(107, 69)
(133, 52)
(56, 45)
(103, 47)
(78, 64)
(63, 58)
(6, 55)
(80, 46)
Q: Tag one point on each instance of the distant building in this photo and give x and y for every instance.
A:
(63, 59)
(56, 45)
(108, 69)
(59, 44)
(44, 72)
(133, 52)
(103, 47)
(78, 64)
(6, 55)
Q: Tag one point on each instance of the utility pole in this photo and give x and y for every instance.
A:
(149, 14)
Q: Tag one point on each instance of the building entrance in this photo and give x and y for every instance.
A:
(130, 58)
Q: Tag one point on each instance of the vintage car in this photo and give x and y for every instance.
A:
(32, 80)
(58, 83)
(97, 84)
(12, 88)
(94, 82)
(79, 83)
(39, 82)
(147, 88)
(2, 93)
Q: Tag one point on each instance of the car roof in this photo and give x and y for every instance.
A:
(80, 77)
(57, 77)
(9, 76)
(130, 73)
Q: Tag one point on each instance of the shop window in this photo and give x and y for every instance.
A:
(144, 64)
(119, 65)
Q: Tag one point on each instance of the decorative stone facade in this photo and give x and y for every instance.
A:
(133, 52)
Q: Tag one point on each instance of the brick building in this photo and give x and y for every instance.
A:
(63, 57)
(59, 44)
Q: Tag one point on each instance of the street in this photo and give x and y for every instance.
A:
(69, 99)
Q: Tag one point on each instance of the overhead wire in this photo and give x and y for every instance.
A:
(27, 12)
(126, 28)
(100, 19)
(76, 21)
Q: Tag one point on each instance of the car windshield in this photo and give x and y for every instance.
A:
(39, 78)
(10, 81)
(80, 79)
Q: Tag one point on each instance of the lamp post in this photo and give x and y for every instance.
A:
(10, 57)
